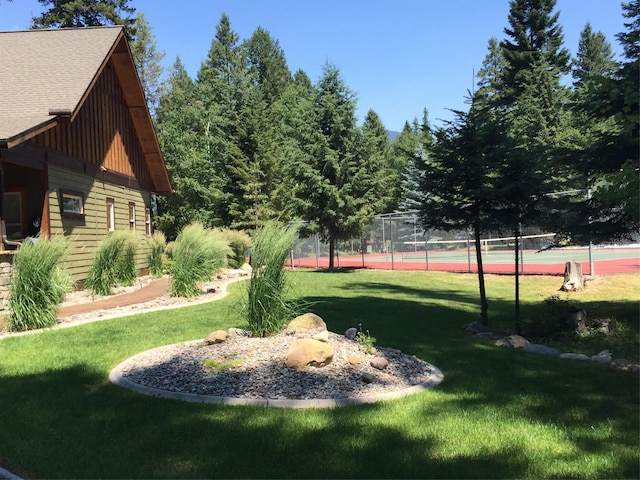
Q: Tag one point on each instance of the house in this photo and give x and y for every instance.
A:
(79, 154)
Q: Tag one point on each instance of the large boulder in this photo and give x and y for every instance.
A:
(308, 321)
(308, 352)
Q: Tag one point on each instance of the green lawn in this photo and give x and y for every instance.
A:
(499, 413)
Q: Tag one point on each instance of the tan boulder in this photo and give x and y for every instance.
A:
(218, 336)
(306, 351)
(308, 321)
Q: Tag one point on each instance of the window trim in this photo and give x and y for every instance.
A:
(72, 194)
(147, 222)
(111, 214)
(132, 216)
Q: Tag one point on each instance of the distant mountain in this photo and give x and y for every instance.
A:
(392, 135)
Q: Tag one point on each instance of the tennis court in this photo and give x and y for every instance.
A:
(606, 260)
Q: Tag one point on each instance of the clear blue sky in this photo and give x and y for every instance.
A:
(398, 56)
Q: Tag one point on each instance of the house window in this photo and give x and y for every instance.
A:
(132, 216)
(13, 215)
(111, 215)
(147, 221)
(72, 203)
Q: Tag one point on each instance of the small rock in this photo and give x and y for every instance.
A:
(603, 357)
(218, 336)
(238, 332)
(542, 350)
(475, 327)
(367, 377)
(379, 362)
(626, 365)
(573, 356)
(354, 360)
(518, 342)
(513, 341)
(322, 336)
(351, 333)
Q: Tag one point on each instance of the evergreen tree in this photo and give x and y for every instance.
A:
(80, 13)
(148, 61)
(339, 187)
(594, 58)
(187, 152)
(610, 158)
(267, 65)
(529, 107)
(534, 38)
(411, 149)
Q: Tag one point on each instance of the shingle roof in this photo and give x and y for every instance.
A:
(45, 74)
(45, 70)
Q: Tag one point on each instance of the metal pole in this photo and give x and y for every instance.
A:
(468, 252)
(317, 245)
(391, 242)
(592, 268)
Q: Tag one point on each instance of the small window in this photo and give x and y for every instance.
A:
(72, 203)
(132, 216)
(147, 221)
(111, 215)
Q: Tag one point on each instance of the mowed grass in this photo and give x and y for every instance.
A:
(499, 413)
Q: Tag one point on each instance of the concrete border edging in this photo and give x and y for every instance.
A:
(116, 377)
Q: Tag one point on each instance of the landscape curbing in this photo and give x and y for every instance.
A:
(116, 377)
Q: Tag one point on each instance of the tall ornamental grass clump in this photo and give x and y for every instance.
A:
(266, 307)
(197, 255)
(115, 263)
(239, 242)
(157, 244)
(38, 284)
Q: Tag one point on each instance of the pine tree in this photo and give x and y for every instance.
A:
(594, 58)
(148, 61)
(187, 153)
(79, 13)
(338, 184)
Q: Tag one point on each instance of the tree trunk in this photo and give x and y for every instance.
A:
(332, 249)
(484, 306)
(573, 279)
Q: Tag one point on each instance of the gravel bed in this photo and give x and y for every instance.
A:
(254, 368)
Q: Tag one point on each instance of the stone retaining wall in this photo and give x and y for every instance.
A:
(6, 269)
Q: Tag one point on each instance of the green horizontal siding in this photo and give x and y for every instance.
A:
(86, 234)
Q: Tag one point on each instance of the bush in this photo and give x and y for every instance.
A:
(197, 255)
(38, 284)
(115, 263)
(266, 308)
(239, 242)
(157, 244)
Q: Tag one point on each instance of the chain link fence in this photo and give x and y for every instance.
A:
(398, 241)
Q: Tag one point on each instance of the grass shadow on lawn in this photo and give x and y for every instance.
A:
(499, 413)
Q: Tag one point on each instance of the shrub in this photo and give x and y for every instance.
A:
(38, 284)
(157, 244)
(239, 242)
(114, 263)
(197, 255)
(266, 308)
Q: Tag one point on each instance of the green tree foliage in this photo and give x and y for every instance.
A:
(594, 59)
(339, 185)
(411, 150)
(80, 13)
(187, 148)
(148, 61)
(534, 37)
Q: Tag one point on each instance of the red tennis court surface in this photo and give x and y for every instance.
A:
(606, 261)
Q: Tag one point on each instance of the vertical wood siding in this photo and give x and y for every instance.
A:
(103, 132)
